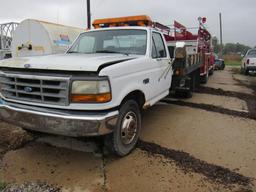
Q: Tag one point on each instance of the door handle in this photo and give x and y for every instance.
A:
(146, 81)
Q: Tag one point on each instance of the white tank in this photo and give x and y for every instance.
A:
(33, 37)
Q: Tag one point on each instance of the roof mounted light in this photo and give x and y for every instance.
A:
(202, 20)
(140, 20)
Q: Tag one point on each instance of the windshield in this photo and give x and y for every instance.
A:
(124, 41)
(252, 53)
(218, 62)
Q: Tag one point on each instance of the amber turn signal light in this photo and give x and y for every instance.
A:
(91, 98)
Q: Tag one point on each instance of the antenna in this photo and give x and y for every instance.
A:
(221, 41)
(88, 14)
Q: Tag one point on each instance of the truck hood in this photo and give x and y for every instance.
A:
(67, 62)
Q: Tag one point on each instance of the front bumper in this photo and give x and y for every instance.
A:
(251, 67)
(67, 123)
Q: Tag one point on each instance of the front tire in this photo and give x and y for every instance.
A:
(126, 134)
(246, 71)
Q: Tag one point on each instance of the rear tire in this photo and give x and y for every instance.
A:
(211, 71)
(204, 79)
(126, 134)
(183, 94)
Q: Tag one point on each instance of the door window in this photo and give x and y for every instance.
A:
(158, 49)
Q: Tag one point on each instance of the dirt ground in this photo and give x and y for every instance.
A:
(205, 143)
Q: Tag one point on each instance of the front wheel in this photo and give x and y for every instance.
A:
(126, 134)
(246, 71)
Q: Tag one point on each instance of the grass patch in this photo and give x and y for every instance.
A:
(2, 185)
(233, 63)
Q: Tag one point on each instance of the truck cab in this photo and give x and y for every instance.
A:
(98, 87)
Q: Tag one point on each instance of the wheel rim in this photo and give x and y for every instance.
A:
(129, 128)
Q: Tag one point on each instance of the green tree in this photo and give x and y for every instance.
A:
(216, 46)
(235, 48)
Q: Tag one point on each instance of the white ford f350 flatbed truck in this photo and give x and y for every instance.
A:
(98, 87)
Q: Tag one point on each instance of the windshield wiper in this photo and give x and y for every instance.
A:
(108, 51)
(73, 52)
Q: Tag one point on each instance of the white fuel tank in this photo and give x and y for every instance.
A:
(33, 38)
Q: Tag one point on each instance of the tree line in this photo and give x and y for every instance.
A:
(230, 48)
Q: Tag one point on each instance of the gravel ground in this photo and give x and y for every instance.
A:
(32, 187)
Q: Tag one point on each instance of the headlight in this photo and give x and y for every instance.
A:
(90, 91)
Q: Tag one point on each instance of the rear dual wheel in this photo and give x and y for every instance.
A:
(204, 79)
(126, 134)
(212, 71)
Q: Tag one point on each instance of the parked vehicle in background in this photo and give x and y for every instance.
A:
(249, 62)
(98, 87)
(6, 36)
(219, 64)
(212, 62)
(33, 38)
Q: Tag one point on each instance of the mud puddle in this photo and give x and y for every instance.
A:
(248, 98)
(251, 102)
(212, 108)
(188, 163)
(12, 138)
(247, 83)
(221, 92)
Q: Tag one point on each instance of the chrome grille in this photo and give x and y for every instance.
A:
(35, 88)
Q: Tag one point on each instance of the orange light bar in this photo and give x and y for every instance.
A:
(100, 98)
(139, 20)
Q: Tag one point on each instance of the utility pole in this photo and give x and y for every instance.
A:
(88, 14)
(221, 42)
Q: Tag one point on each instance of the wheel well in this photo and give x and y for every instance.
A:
(137, 96)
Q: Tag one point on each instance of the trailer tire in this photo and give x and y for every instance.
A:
(126, 134)
(204, 78)
(212, 71)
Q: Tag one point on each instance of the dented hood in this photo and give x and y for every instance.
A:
(66, 62)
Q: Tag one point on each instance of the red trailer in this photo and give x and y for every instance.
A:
(205, 46)
(198, 63)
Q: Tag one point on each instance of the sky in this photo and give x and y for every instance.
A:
(238, 15)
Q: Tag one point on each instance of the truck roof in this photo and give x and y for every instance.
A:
(123, 28)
